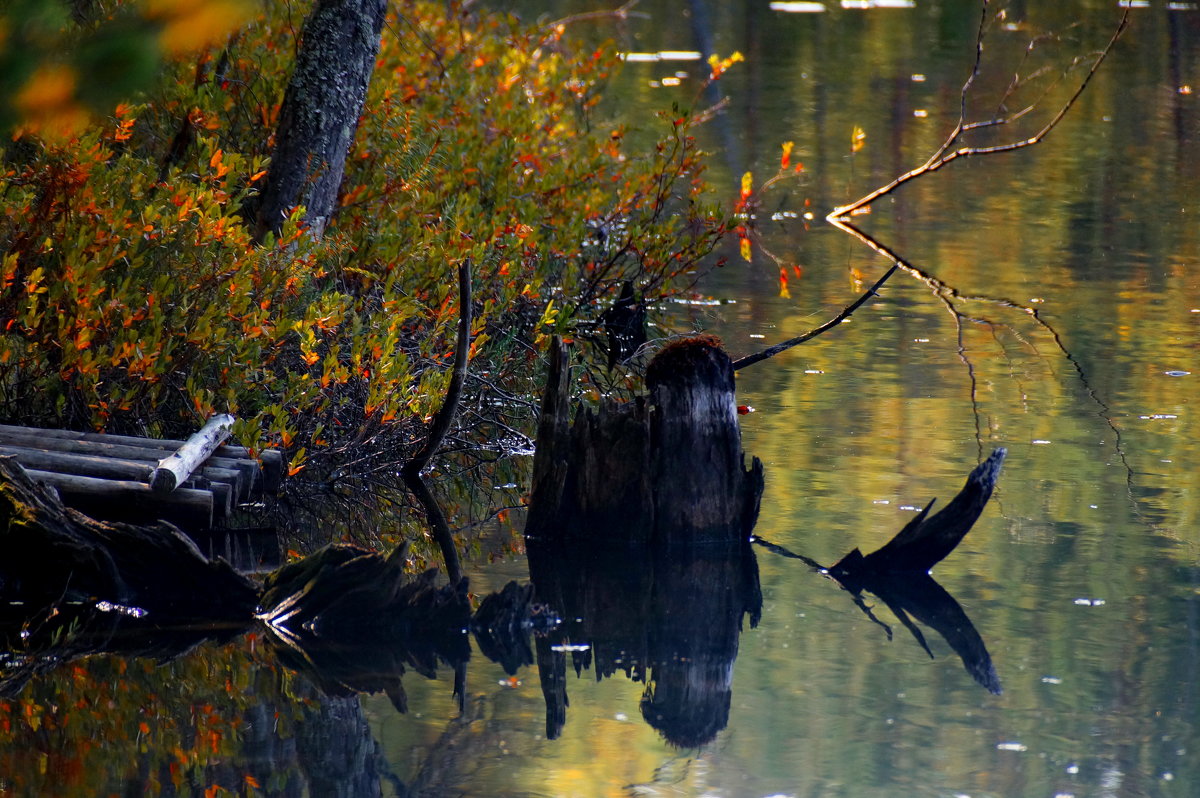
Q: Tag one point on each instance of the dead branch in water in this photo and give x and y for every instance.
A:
(411, 472)
(771, 351)
(945, 154)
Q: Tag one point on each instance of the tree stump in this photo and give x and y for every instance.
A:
(666, 468)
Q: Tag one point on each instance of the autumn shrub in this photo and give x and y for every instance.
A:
(132, 297)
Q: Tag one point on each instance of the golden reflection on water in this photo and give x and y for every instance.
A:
(1074, 269)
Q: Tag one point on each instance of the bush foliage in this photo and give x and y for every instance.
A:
(133, 299)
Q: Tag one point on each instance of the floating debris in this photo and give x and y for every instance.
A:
(1090, 602)
(1011, 747)
(662, 55)
(797, 8)
(1176, 373)
(121, 609)
(571, 647)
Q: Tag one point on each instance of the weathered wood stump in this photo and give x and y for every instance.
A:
(666, 468)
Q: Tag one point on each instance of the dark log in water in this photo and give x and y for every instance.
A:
(898, 572)
(925, 541)
(53, 555)
(345, 592)
(664, 468)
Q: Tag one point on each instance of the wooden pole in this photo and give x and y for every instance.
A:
(86, 465)
(185, 507)
(174, 469)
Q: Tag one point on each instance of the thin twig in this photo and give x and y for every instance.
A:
(411, 471)
(944, 155)
(771, 351)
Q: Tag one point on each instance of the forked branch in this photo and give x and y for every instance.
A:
(948, 152)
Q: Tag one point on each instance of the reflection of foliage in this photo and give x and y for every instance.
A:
(107, 725)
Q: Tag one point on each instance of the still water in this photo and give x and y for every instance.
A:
(1051, 306)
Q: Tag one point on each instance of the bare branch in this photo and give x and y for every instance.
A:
(411, 471)
(945, 154)
(750, 360)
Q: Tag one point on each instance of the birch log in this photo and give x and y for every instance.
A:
(174, 469)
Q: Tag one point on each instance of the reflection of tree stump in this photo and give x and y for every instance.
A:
(670, 618)
(665, 468)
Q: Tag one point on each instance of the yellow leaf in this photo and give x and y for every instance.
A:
(745, 249)
(191, 25)
(47, 103)
(858, 139)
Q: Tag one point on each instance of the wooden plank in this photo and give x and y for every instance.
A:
(117, 468)
(249, 469)
(7, 430)
(187, 508)
(273, 467)
(174, 469)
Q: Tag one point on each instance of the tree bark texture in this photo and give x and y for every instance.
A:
(320, 112)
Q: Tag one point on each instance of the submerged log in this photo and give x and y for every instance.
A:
(666, 468)
(344, 591)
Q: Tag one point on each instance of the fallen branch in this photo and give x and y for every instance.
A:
(945, 154)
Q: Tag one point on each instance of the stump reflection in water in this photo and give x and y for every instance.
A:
(667, 616)
(638, 536)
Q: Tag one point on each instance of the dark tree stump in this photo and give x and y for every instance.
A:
(663, 469)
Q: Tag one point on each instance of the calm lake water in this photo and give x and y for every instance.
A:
(1052, 307)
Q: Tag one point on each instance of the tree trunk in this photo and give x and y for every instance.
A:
(320, 112)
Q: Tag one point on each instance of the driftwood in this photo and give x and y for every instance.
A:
(174, 469)
(666, 468)
(925, 541)
(345, 591)
(898, 572)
